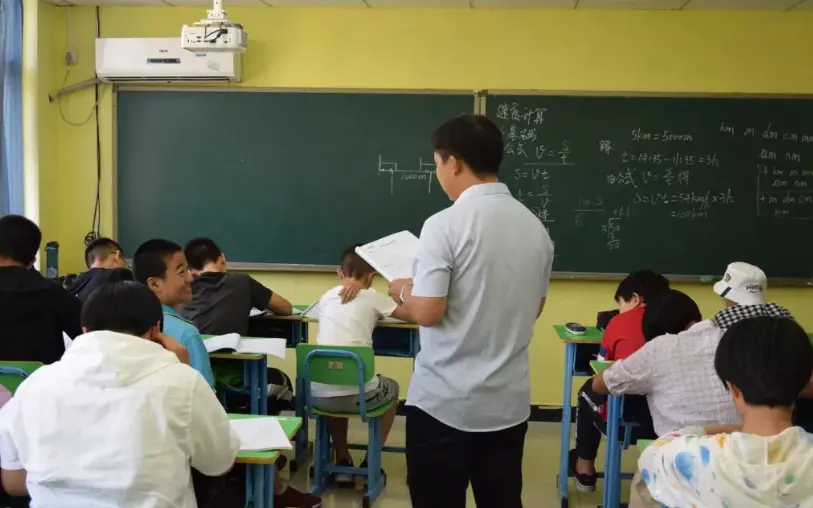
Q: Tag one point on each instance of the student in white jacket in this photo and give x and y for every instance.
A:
(767, 462)
(119, 420)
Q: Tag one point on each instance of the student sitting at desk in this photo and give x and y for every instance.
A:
(678, 367)
(623, 336)
(221, 301)
(34, 312)
(764, 362)
(352, 324)
(119, 420)
(105, 262)
(161, 266)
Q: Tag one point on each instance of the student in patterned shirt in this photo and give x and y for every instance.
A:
(764, 363)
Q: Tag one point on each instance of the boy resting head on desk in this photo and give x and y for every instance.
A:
(352, 324)
(764, 362)
(623, 336)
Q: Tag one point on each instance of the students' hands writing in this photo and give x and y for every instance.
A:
(399, 288)
(173, 346)
(350, 290)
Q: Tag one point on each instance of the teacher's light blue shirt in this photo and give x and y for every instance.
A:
(185, 332)
(491, 257)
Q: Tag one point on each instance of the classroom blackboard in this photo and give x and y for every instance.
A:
(277, 177)
(683, 185)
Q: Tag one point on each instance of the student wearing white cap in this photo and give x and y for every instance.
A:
(676, 371)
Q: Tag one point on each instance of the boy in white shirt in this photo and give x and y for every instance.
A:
(352, 324)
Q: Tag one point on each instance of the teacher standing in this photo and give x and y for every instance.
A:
(480, 282)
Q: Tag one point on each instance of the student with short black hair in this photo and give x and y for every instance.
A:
(352, 324)
(672, 313)
(764, 362)
(105, 261)
(119, 420)
(221, 300)
(34, 312)
(161, 266)
(623, 336)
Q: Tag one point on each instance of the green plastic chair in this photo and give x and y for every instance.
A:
(335, 365)
(12, 374)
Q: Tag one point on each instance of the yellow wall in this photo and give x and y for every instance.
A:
(755, 52)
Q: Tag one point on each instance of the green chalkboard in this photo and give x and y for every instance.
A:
(277, 177)
(683, 185)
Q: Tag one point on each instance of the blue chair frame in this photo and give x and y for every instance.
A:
(323, 449)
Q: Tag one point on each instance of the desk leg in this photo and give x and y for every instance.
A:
(253, 388)
(302, 449)
(259, 485)
(564, 444)
(263, 384)
(612, 479)
(270, 472)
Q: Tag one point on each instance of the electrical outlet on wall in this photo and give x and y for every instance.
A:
(70, 57)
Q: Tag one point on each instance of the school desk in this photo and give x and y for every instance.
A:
(291, 328)
(591, 338)
(611, 496)
(391, 338)
(255, 377)
(260, 465)
(642, 444)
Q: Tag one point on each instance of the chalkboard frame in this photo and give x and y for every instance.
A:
(259, 267)
(482, 97)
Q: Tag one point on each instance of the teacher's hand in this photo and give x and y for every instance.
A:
(396, 288)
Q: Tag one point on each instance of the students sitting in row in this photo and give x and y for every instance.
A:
(764, 362)
(352, 324)
(215, 302)
(161, 266)
(119, 420)
(105, 262)
(676, 371)
(623, 336)
(34, 312)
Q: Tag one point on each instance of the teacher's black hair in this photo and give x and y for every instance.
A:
(474, 139)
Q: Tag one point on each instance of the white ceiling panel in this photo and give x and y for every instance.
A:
(740, 4)
(316, 3)
(257, 3)
(807, 5)
(443, 4)
(524, 4)
(631, 4)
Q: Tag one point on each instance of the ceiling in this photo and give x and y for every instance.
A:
(686, 5)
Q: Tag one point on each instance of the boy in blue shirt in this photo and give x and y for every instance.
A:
(161, 266)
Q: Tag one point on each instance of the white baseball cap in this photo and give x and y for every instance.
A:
(743, 284)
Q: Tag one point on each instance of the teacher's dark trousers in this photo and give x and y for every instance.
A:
(442, 461)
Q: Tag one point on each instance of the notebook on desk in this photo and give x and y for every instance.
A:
(260, 434)
(233, 342)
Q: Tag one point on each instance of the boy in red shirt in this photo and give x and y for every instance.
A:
(623, 336)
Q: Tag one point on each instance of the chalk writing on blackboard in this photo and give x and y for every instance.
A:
(423, 172)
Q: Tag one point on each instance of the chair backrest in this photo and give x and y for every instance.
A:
(335, 365)
(12, 374)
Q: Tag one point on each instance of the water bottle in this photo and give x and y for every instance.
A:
(52, 260)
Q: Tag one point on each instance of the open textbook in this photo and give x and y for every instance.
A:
(391, 256)
(233, 342)
(258, 434)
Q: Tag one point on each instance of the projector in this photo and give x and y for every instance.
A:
(214, 34)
